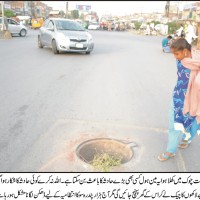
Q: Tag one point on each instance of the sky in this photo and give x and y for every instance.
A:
(116, 7)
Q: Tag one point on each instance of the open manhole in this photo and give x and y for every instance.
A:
(87, 150)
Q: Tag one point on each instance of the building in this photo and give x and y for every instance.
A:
(190, 11)
(174, 12)
(91, 17)
(28, 8)
(56, 13)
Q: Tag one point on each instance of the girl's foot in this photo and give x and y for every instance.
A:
(184, 144)
(165, 156)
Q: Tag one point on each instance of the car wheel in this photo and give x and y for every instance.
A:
(87, 52)
(39, 42)
(54, 47)
(23, 33)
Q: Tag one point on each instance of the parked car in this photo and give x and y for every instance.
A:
(15, 27)
(94, 26)
(64, 35)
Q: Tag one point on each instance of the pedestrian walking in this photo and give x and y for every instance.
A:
(180, 31)
(185, 106)
(148, 30)
(190, 33)
(195, 28)
(109, 26)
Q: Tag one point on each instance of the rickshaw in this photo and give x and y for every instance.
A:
(37, 23)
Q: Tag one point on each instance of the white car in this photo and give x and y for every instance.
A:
(14, 27)
(94, 26)
(63, 35)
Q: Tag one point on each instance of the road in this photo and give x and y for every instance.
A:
(51, 103)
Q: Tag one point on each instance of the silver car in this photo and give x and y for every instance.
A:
(64, 35)
(14, 27)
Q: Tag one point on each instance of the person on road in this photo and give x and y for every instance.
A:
(166, 42)
(185, 106)
(190, 33)
(109, 26)
(148, 30)
(180, 31)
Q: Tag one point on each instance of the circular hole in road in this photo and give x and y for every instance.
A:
(87, 150)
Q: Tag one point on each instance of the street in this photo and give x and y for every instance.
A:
(51, 103)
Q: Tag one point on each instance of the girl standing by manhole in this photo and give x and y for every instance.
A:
(185, 108)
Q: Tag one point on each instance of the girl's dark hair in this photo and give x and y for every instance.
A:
(180, 44)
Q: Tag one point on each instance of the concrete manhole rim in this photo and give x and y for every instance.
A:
(128, 145)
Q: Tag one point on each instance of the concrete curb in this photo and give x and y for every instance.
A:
(5, 35)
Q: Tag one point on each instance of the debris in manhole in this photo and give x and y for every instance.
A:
(105, 162)
(105, 153)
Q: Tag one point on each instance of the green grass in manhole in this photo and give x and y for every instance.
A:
(105, 162)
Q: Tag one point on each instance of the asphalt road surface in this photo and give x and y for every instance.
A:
(52, 103)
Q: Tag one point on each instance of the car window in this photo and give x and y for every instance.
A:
(50, 25)
(10, 21)
(68, 25)
(46, 23)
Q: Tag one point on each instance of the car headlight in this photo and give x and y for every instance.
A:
(90, 39)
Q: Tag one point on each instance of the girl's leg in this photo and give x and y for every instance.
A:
(173, 135)
(173, 138)
(193, 132)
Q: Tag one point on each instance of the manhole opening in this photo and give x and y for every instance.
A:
(87, 150)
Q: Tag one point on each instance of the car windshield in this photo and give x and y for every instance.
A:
(68, 25)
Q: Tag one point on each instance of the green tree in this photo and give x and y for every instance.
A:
(75, 14)
(156, 22)
(9, 13)
(82, 16)
(61, 13)
(173, 26)
(137, 25)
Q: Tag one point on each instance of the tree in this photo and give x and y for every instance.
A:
(172, 27)
(61, 13)
(9, 13)
(82, 16)
(137, 25)
(75, 14)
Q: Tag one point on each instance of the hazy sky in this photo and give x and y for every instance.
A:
(115, 7)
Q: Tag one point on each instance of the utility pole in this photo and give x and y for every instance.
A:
(66, 16)
(33, 9)
(167, 9)
(24, 8)
(178, 10)
(2, 10)
(4, 32)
